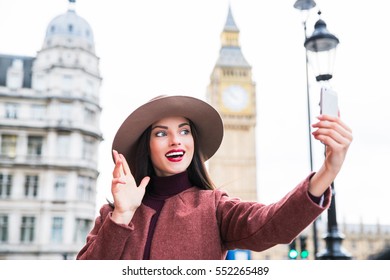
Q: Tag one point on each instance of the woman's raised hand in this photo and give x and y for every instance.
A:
(337, 137)
(127, 195)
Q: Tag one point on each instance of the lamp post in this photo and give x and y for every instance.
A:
(321, 47)
(305, 6)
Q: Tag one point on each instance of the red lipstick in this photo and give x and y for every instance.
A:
(175, 155)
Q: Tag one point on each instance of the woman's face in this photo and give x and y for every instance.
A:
(171, 146)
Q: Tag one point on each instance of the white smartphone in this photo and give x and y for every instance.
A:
(329, 102)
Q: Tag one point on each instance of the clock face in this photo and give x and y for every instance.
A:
(235, 98)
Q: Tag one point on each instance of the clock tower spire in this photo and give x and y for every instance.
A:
(232, 92)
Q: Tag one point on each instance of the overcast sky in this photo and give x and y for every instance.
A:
(154, 47)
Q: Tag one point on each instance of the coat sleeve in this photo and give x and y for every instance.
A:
(106, 241)
(257, 227)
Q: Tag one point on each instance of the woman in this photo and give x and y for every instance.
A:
(165, 205)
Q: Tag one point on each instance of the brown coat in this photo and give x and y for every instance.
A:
(203, 224)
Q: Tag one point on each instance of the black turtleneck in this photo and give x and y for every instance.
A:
(157, 191)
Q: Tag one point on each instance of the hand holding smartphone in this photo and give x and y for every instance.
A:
(329, 102)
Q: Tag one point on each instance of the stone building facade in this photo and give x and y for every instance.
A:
(49, 139)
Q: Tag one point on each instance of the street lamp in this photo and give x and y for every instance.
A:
(305, 6)
(321, 47)
(322, 50)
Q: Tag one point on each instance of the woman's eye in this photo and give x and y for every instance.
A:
(185, 132)
(161, 133)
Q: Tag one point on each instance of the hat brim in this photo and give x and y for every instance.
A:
(206, 119)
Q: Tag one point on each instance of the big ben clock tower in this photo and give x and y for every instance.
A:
(232, 92)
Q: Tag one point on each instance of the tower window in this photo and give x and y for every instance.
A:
(65, 111)
(11, 111)
(88, 151)
(67, 84)
(34, 145)
(3, 228)
(8, 145)
(60, 187)
(85, 187)
(63, 144)
(70, 28)
(89, 116)
(27, 229)
(5, 185)
(83, 226)
(31, 186)
(57, 230)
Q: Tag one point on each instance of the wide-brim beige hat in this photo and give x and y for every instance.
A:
(206, 119)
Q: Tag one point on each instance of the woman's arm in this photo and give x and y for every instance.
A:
(107, 239)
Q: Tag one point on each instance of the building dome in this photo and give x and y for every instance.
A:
(70, 30)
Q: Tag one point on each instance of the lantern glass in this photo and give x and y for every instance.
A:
(321, 48)
(322, 63)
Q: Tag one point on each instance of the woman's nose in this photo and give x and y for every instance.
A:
(174, 140)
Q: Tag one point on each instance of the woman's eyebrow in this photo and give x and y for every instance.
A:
(183, 124)
(166, 127)
(160, 126)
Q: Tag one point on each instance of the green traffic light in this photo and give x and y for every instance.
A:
(304, 254)
(293, 254)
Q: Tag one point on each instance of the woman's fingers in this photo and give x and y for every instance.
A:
(335, 144)
(334, 128)
(126, 168)
(336, 136)
(115, 154)
(327, 120)
(127, 196)
(116, 173)
(118, 169)
(324, 134)
(144, 182)
(119, 180)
